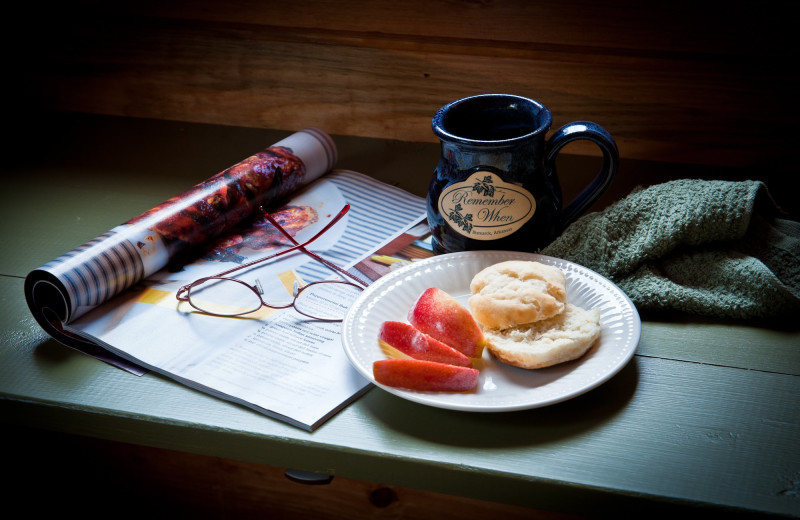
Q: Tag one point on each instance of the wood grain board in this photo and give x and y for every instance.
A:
(680, 82)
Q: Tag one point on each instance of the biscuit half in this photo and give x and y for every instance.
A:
(516, 292)
(544, 343)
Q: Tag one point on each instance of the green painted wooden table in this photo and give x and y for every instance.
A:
(706, 414)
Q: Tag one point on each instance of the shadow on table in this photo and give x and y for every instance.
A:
(554, 423)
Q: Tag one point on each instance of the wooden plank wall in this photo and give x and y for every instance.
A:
(682, 81)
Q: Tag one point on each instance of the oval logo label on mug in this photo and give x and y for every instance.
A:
(485, 207)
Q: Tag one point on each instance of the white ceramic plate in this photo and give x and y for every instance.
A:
(501, 387)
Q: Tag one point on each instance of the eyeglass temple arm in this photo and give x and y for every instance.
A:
(295, 247)
(333, 266)
(315, 256)
(329, 225)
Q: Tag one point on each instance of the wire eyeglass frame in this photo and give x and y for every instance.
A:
(184, 294)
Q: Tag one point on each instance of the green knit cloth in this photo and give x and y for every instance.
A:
(711, 248)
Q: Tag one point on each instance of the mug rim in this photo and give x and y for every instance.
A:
(441, 133)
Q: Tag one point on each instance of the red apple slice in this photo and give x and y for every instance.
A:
(440, 316)
(411, 342)
(426, 376)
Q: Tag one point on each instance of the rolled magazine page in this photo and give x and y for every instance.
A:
(76, 282)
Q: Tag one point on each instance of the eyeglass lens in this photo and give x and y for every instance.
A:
(326, 300)
(224, 297)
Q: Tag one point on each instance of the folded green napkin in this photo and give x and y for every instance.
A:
(712, 248)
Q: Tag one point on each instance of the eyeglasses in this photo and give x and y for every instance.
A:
(326, 300)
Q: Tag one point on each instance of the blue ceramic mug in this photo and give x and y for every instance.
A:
(496, 186)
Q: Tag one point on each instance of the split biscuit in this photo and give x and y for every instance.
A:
(517, 292)
(565, 337)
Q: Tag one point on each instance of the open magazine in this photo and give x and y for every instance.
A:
(115, 297)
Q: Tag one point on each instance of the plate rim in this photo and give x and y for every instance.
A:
(426, 398)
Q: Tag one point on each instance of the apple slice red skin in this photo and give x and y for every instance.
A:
(411, 342)
(424, 376)
(440, 316)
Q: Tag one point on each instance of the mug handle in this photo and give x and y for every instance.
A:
(591, 132)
